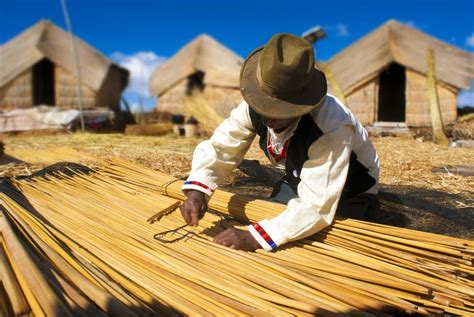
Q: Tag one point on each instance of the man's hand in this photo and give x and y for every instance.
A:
(194, 207)
(237, 239)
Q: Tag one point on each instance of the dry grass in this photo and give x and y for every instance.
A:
(150, 129)
(197, 106)
(408, 162)
(417, 198)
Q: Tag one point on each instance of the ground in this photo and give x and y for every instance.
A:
(412, 196)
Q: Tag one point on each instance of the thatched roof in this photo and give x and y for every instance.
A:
(45, 40)
(220, 65)
(395, 42)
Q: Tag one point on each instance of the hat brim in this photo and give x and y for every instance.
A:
(279, 108)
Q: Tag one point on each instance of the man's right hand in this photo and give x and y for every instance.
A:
(194, 207)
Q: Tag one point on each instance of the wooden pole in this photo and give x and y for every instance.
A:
(76, 62)
(439, 137)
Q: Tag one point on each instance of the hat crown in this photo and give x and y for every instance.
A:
(280, 81)
(286, 64)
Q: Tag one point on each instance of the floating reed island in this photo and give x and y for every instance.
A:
(109, 241)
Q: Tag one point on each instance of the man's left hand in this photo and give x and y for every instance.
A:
(237, 239)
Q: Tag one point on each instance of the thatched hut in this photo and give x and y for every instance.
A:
(383, 76)
(37, 68)
(203, 65)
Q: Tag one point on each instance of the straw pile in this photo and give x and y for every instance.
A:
(197, 105)
(80, 245)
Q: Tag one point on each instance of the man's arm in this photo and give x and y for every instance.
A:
(322, 179)
(214, 159)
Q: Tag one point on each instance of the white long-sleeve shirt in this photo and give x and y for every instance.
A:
(323, 174)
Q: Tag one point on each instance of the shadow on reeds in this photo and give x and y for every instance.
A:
(7, 159)
(153, 308)
(59, 170)
(158, 309)
(167, 311)
(236, 207)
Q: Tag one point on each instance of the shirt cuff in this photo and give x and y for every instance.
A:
(262, 237)
(199, 186)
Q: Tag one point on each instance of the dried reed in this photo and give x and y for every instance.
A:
(80, 243)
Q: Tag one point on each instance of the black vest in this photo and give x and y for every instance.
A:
(358, 177)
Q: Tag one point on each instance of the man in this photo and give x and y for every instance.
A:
(330, 163)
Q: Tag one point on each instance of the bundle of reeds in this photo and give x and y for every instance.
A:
(80, 245)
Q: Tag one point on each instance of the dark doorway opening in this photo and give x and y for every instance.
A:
(43, 83)
(392, 101)
(195, 81)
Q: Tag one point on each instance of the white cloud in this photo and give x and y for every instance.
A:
(140, 65)
(415, 25)
(340, 29)
(136, 107)
(411, 24)
(470, 40)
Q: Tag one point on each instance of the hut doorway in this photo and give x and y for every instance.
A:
(392, 101)
(43, 83)
(195, 81)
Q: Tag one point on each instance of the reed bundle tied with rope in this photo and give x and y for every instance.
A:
(80, 245)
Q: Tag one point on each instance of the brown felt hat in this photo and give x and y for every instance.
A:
(279, 80)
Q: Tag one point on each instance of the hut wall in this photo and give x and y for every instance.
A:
(363, 101)
(66, 91)
(109, 94)
(222, 99)
(417, 101)
(18, 93)
(172, 99)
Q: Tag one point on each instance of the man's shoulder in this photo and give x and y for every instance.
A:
(332, 114)
(244, 116)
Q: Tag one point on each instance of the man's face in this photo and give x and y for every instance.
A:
(277, 125)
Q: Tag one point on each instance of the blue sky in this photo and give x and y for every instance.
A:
(141, 34)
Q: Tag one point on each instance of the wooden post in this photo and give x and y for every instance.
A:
(439, 137)
(76, 63)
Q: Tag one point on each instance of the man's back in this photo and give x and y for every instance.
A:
(331, 115)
